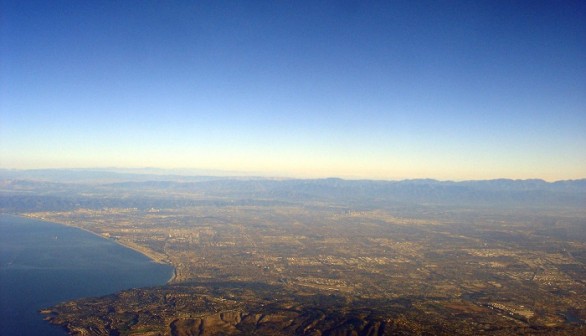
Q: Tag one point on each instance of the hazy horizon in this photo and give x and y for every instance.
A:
(383, 90)
(195, 172)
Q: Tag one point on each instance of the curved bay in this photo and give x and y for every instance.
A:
(42, 264)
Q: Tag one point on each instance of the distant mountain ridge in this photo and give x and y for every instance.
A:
(73, 186)
(155, 174)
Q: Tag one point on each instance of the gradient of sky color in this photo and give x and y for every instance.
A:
(390, 89)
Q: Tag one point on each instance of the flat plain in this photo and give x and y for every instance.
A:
(330, 257)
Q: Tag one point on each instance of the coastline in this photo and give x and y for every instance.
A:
(137, 248)
(129, 245)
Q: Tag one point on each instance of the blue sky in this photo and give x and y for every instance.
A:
(392, 90)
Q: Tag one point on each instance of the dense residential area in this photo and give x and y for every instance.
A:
(330, 257)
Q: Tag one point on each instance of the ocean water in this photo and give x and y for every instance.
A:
(42, 264)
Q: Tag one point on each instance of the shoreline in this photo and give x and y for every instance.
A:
(137, 248)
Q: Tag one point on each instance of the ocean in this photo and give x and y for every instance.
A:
(42, 264)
